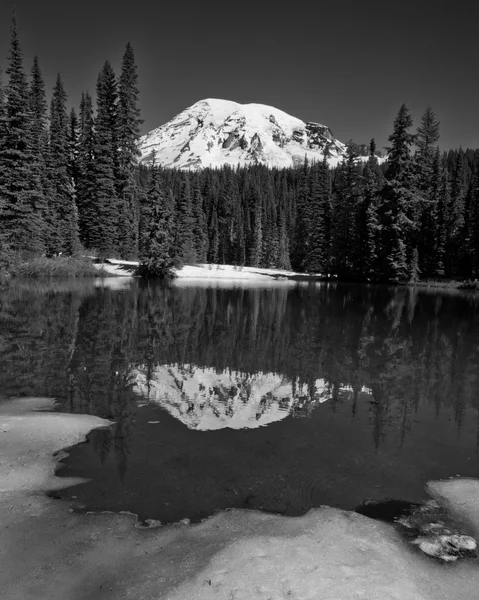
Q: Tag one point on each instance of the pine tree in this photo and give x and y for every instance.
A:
(63, 226)
(200, 234)
(103, 228)
(213, 237)
(455, 216)
(184, 242)
(128, 136)
(22, 202)
(157, 258)
(346, 199)
(256, 247)
(442, 219)
(86, 170)
(399, 203)
(367, 225)
(426, 140)
(427, 164)
(73, 142)
(430, 220)
(129, 120)
(317, 222)
(298, 247)
(38, 105)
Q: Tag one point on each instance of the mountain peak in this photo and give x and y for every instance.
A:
(215, 132)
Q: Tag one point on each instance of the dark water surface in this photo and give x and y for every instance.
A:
(277, 398)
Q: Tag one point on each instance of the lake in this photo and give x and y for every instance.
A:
(278, 397)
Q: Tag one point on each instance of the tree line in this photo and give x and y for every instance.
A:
(70, 182)
(68, 178)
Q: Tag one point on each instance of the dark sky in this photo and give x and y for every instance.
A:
(346, 63)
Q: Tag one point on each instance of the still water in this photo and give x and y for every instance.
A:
(277, 398)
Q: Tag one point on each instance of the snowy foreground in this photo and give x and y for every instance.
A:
(120, 268)
(50, 553)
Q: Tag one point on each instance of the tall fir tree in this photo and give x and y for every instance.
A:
(38, 105)
(103, 229)
(129, 122)
(318, 222)
(86, 173)
(200, 232)
(399, 203)
(427, 165)
(256, 246)
(157, 258)
(22, 202)
(73, 142)
(367, 225)
(63, 218)
(347, 194)
(184, 240)
(455, 216)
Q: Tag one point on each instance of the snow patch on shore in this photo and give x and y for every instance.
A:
(118, 268)
(49, 552)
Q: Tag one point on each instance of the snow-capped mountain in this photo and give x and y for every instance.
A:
(214, 133)
(206, 399)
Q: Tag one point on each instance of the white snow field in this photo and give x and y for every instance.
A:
(50, 553)
(119, 268)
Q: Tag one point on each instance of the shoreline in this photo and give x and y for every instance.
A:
(327, 553)
(86, 268)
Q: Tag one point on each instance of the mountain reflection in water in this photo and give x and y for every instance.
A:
(205, 386)
(207, 399)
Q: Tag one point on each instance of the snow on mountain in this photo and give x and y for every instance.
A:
(214, 133)
(206, 399)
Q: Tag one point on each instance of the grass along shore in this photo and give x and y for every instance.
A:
(44, 267)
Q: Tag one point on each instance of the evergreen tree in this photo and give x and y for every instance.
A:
(38, 105)
(184, 241)
(22, 203)
(256, 247)
(63, 219)
(429, 225)
(128, 136)
(427, 164)
(200, 234)
(426, 140)
(317, 222)
(157, 252)
(399, 202)
(346, 199)
(442, 219)
(86, 171)
(213, 237)
(73, 142)
(367, 220)
(129, 120)
(455, 216)
(103, 228)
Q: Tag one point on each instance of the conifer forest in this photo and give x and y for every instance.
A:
(71, 183)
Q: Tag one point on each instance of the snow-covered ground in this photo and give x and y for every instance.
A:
(49, 552)
(119, 268)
